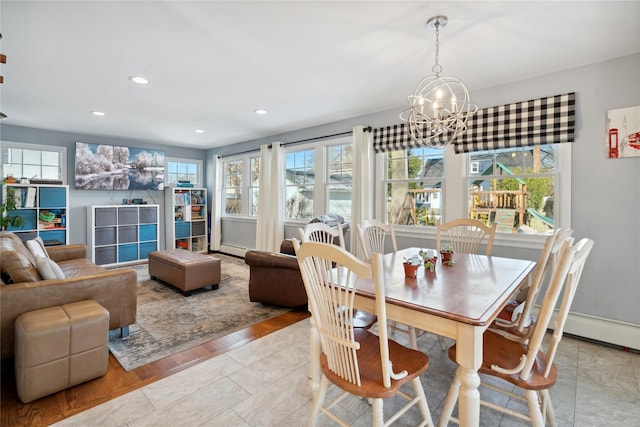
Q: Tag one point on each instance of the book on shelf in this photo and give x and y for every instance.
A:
(30, 201)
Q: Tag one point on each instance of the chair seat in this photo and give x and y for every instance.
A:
(404, 359)
(362, 319)
(506, 353)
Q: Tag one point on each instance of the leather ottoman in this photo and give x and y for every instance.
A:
(59, 347)
(184, 269)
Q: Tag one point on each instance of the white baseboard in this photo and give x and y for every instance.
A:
(601, 329)
(233, 250)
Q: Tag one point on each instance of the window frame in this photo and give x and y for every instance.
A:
(456, 205)
(321, 182)
(199, 165)
(61, 150)
(245, 187)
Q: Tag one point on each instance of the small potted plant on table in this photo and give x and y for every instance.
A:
(410, 268)
(429, 259)
(447, 254)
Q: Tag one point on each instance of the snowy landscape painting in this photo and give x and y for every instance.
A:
(111, 167)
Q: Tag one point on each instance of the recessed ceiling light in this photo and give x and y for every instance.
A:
(199, 131)
(139, 79)
(260, 111)
(98, 113)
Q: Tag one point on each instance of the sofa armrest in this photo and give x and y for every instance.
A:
(67, 252)
(271, 259)
(116, 290)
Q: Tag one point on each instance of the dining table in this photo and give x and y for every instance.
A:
(458, 300)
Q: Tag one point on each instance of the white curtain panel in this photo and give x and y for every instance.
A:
(216, 205)
(362, 204)
(270, 224)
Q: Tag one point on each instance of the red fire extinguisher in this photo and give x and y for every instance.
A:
(613, 143)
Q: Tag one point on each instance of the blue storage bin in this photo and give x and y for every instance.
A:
(183, 229)
(52, 197)
(30, 219)
(53, 236)
(127, 252)
(148, 232)
(147, 247)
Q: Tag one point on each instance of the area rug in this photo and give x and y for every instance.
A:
(169, 322)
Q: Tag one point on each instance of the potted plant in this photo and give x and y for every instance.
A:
(429, 259)
(447, 254)
(8, 206)
(410, 268)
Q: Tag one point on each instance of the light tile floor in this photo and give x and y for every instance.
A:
(265, 383)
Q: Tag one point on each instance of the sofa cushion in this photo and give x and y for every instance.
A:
(15, 259)
(37, 249)
(48, 268)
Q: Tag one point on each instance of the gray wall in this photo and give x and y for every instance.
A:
(605, 193)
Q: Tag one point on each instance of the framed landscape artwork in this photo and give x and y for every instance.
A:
(111, 167)
(623, 133)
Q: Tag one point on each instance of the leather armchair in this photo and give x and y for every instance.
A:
(274, 278)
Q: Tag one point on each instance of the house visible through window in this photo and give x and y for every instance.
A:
(319, 179)
(413, 186)
(33, 161)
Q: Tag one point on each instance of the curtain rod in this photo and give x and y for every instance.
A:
(284, 144)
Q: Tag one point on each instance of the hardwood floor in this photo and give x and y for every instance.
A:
(117, 381)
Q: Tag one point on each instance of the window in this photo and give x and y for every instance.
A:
(340, 179)
(33, 161)
(319, 179)
(233, 187)
(184, 170)
(515, 188)
(241, 186)
(254, 186)
(413, 186)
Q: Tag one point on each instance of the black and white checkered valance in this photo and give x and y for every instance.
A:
(541, 121)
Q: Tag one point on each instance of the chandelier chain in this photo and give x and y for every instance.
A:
(437, 68)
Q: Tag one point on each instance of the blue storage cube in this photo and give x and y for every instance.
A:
(52, 197)
(183, 229)
(127, 252)
(53, 236)
(147, 247)
(148, 232)
(30, 219)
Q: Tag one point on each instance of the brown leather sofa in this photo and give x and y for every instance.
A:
(115, 290)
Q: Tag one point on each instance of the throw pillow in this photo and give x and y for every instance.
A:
(36, 247)
(48, 269)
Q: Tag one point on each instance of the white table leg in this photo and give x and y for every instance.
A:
(469, 354)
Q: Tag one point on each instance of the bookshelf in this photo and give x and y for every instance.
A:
(186, 218)
(122, 234)
(43, 207)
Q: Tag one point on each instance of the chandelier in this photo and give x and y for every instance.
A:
(439, 108)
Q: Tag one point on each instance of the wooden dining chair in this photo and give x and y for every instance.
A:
(373, 234)
(516, 319)
(355, 360)
(526, 365)
(323, 233)
(465, 235)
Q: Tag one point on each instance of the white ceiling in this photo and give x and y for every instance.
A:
(211, 63)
